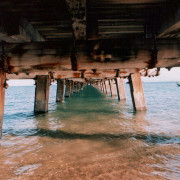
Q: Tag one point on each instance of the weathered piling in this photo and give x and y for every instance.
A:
(122, 92)
(117, 88)
(75, 87)
(72, 87)
(60, 90)
(105, 87)
(110, 87)
(2, 98)
(113, 87)
(68, 88)
(42, 94)
(137, 92)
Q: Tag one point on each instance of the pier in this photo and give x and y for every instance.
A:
(80, 42)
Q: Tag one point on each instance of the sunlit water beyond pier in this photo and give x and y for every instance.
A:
(92, 136)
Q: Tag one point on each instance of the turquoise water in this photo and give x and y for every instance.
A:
(92, 136)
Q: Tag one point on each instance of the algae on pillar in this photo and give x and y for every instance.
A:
(137, 92)
(42, 94)
(2, 98)
(60, 90)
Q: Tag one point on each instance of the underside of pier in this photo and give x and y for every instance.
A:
(77, 42)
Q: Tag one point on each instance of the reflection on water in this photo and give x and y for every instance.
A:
(92, 136)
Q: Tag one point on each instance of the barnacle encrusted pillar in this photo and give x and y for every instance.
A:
(137, 92)
(42, 94)
(2, 98)
(60, 90)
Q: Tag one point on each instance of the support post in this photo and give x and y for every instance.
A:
(60, 90)
(137, 92)
(110, 87)
(2, 98)
(122, 92)
(42, 94)
(75, 87)
(113, 87)
(105, 88)
(117, 88)
(72, 87)
(68, 88)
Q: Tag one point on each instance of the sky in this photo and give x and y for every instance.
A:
(172, 75)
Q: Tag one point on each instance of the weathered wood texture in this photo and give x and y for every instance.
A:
(60, 90)
(2, 99)
(122, 92)
(42, 94)
(137, 92)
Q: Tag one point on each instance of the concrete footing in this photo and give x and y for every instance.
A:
(2, 98)
(60, 90)
(137, 92)
(42, 94)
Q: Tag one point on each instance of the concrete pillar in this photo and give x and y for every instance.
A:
(60, 90)
(137, 92)
(110, 87)
(122, 92)
(117, 88)
(2, 98)
(42, 94)
(68, 88)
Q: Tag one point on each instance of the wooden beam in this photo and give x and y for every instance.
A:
(77, 11)
(22, 31)
(171, 25)
(2, 98)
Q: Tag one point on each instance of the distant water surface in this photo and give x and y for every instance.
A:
(92, 136)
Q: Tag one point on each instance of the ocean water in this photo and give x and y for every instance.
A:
(92, 136)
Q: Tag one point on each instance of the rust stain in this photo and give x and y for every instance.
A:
(77, 75)
(59, 77)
